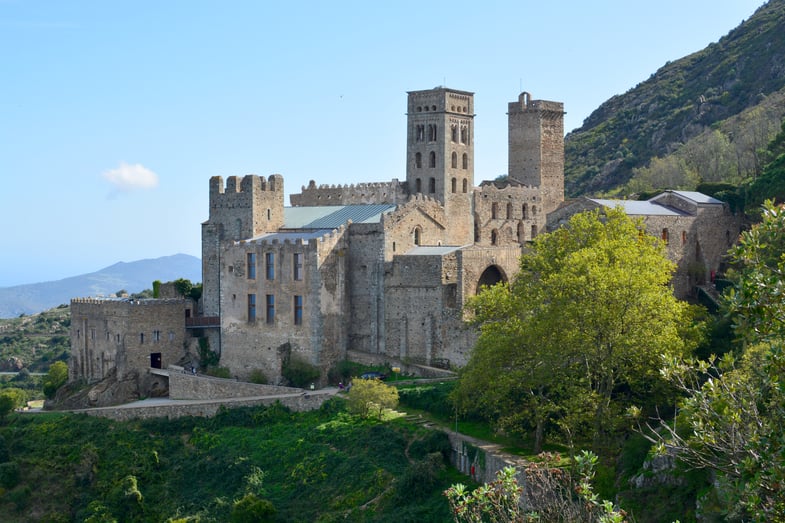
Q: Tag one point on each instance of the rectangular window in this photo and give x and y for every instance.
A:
(269, 261)
(298, 266)
(665, 236)
(156, 336)
(270, 308)
(298, 310)
(251, 265)
(252, 307)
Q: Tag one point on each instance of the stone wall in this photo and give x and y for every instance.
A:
(172, 410)
(185, 386)
(131, 335)
(506, 215)
(392, 192)
(253, 341)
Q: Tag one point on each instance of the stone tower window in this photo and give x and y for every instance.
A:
(454, 160)
(509, 211)
(464, 134)
(465, 162)
(534, 231)
(465, 185)
(251, 262)
(252, 307)
(534, 210)
(297, 266)
(454, 133)
(238, 229)
(521, 232)
(683, 237)
(432, 159)
(665, 235)
(420, 133)
(432, 132)
(417, 185)
(270, 304)
(431, 185)
(417, 234)
(494, 210)
(269, 265)
(418, 160)
(524, 210)
(298, 310)
(494, 237)
(453, 184)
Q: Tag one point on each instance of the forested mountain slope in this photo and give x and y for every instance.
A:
(680, 101)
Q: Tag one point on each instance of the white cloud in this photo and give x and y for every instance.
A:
(129, 177)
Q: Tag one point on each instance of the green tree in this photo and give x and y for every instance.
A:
(370, 397)
(731, 418)
(18, 396)
(588, 316)
(251, 509)
(55, 378)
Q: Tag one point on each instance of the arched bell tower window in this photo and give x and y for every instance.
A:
(417, 185)
(432, 185)
(494, 237)
(454, 164)
(465, 185)
(453, 185)
(494, 210)
(525, 211)
(454, 133)
(509, 211)
(465, 161)
(418, 160)
(417, 235)
(432, 159)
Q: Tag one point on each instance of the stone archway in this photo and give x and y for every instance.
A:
(490, 276)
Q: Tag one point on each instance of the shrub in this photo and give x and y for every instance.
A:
(299, 373)
(55, 378)
(251, 509)
(9, 475)
(371, 397)
(219, 372)
(258, 376)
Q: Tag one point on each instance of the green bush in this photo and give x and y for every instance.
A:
(251, 509)
(55, 378)
(258, 376)
(219, 372)
(299, 373)
(9, 474)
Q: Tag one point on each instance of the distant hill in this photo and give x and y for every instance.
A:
(682, 100)
(132, 276)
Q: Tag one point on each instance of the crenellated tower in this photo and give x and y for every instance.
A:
(245, 208)
(440, 154)
(536, 147)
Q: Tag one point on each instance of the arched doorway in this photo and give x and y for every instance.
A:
(490, 276)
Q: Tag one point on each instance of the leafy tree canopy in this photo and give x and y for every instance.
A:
(580, 331)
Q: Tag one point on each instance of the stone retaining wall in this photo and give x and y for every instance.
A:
(298, 403)
(184, 386)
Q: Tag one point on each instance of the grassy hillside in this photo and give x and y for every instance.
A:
(319, 466)
(679, 102)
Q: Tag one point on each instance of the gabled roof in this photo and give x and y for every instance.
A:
(640, 208)
(694, 196)
(332, 217)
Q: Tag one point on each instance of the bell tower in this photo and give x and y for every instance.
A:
(440, 154)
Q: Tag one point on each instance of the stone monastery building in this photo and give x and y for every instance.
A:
(379, 272)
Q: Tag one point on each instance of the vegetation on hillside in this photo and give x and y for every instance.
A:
(689, 98)
(34, 342)
(322, 466)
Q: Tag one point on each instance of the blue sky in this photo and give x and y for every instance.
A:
(115, 114)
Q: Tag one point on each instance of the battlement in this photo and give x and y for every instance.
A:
(349, 194)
